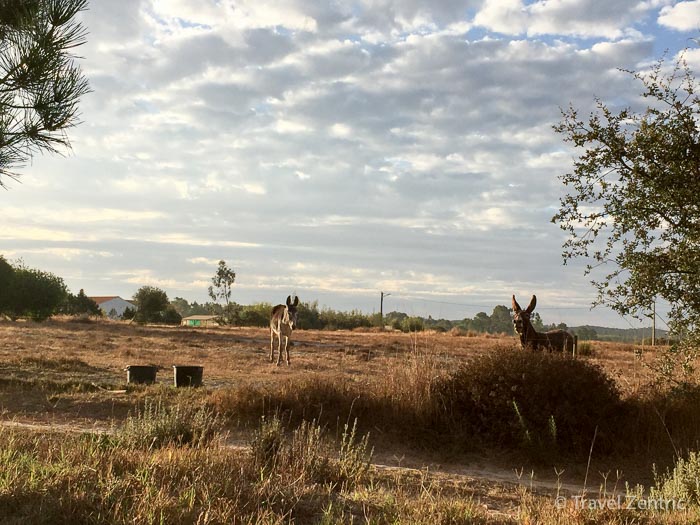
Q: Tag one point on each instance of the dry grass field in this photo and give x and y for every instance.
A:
(75, 365)
(62, 378)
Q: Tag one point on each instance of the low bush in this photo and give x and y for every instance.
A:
(158, 425)
(681, 484)
(659, 423)
(584, 348)
(543, 403)
(305, 455)
(545, 406)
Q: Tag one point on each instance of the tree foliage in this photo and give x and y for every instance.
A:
(151, 304)
(30, 292)
(40, 82)
(220, 290)
(6, 272)
(633, 207)
(80, 304)
(222, 283)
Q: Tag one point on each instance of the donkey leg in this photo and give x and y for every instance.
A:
(286, 349)
(272, 338)
(279, 348)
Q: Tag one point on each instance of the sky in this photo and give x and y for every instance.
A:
(335, 149)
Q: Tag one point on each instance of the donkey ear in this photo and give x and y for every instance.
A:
(516, 306)
(532, 304)
(289, 300)
(296, 300)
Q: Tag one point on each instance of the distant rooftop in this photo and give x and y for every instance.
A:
(104, 299)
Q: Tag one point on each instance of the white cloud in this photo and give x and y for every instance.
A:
(587, 18)
(682, 16)
(68, 254)
(341, 139)
(288, 126)
(204, 261)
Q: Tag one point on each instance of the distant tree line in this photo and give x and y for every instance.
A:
(312, 317)
(35, 294)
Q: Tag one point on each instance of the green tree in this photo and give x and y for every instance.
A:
(256, 314)
(537, 322)
(412, 324)
(6, 273)
(181, 306)
(308, 316)
(633, 207)
(220, 290)
(222, 283)
(481, 322)
(171, 316)
(185, 309)
(128, 313)
(151, 304)
(40, 82)
(34, 293)
(80, 304)
(501, 321)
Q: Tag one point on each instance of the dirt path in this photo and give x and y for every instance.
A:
(382, 460)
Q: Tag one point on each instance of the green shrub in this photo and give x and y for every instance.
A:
(354, 456)
(543, 403)
(158, 425)
(682, 484)
(304, 455)
(412, 324)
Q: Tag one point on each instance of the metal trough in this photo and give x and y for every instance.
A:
(144, 374)
(188, 375)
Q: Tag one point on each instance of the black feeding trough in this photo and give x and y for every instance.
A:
(188, 375)
(143, 374)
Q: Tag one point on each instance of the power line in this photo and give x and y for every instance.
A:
(415, 298)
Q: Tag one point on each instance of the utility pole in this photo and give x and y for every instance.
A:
(653, 323)
(381, 307)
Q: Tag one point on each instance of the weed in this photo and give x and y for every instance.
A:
(158, 425)
(584, 348)
(682, 484)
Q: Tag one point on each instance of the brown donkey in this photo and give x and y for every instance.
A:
(557, 340)
(282, 322)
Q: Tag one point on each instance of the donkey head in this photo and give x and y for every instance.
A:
(292, 311)
(521, 318)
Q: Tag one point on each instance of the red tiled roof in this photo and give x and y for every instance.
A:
(100, 300)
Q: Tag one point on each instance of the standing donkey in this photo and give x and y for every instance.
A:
(282, 322)
(557, 340)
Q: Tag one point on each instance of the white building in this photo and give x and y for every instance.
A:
(113, 306)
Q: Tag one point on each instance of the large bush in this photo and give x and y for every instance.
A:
(547, 403)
